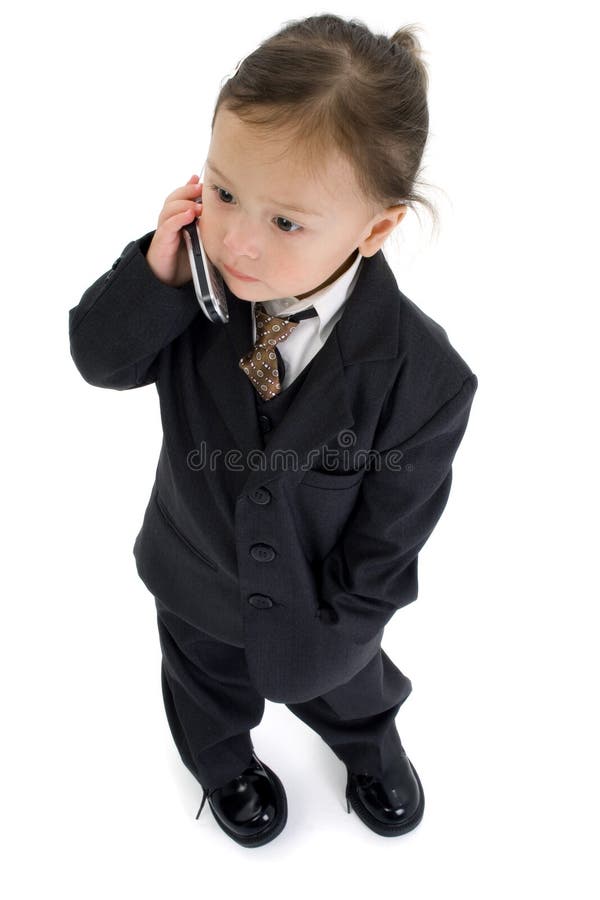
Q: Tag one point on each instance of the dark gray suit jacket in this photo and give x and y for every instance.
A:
(301, 552)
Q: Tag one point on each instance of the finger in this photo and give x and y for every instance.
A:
(190, 189)
(174, 207)
(174, 218)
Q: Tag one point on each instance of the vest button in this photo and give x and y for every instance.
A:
(260, 601)
(261, 495)
(262, 552)
(265, 423)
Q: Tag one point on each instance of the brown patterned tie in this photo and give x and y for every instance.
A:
(263, 363)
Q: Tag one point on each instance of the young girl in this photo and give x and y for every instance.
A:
(307, 442)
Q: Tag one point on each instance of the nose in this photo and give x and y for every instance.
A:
(240, 240)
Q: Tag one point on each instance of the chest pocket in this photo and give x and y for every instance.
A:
(322, 503)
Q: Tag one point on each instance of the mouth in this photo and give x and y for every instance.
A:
(238, 274)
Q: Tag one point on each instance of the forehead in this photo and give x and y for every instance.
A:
(272, 159)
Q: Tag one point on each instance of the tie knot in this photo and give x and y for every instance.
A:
(270, 330)
(263, 363)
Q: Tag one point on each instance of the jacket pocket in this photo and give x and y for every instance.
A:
(181, 536)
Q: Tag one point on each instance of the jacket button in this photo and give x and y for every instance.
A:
(260, 601)
(261, 495)
(262, 552)
(265, 423)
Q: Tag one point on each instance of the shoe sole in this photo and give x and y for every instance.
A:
(379, 827)
(270, 831)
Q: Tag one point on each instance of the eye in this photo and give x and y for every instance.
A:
(215, 187)
(287, 230)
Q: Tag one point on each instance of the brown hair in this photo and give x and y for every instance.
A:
(328, 82)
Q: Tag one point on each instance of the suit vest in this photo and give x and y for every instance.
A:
(271, 412)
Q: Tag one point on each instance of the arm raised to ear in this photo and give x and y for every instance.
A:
(125, 318)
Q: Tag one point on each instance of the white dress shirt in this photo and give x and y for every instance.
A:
(309, 336)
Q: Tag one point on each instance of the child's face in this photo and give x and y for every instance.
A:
(250, 225)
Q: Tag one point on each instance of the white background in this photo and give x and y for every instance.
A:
(106, 109)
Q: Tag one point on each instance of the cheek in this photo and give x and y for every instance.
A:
(209, 230)
(287, 266)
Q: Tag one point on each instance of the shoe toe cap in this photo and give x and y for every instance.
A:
(399, 803)
(390, 804)
(246, 805)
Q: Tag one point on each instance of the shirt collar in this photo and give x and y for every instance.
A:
(327, 301)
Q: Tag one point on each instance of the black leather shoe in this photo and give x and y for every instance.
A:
(387, 811)
(251, 808)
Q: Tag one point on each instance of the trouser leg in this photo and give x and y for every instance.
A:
(357, 719)
(209, 700)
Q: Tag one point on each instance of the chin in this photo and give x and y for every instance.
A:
(238, 288)
(241, 290)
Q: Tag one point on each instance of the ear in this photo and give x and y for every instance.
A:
(380, 227)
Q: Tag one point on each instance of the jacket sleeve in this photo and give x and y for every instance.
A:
(372, 570)
(125, 318)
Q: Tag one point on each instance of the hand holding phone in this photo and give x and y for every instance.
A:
(208, 282)
(176, 254)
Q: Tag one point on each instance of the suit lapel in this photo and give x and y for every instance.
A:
(367, 330)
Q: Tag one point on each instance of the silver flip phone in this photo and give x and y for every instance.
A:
(208, 283)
